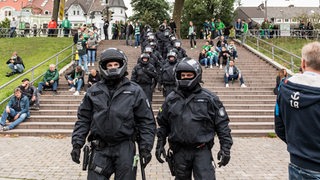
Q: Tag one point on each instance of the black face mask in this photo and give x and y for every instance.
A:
(113, 83)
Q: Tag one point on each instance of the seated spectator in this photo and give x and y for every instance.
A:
(50, 80)
(224, 57)
(207, 46)
(75, 80)
(282, 74)
(16, 110)
(203, 57)
(31, 92)
(211, 43)
(94, 77)
(15, 63)
(221, 43)
(232, 73)
(233, 50)
(212, 56)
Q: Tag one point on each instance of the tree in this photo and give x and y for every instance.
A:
(177, 11)
(151, 12)
(55, 11)
(206, 10)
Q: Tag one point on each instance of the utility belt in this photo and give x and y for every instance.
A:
(97, 143)
(196, 146)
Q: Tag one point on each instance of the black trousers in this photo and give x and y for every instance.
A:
(196, 161)
(147, 88)
(116, 159)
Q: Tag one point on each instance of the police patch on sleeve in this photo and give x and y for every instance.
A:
(222, 112)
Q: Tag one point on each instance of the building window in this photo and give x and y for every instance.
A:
(7, 13)
(46, 12)
(74, 12)
(121, 11)
(278, 20)
(78, 12)
(286, 20)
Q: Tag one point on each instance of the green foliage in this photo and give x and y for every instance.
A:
(32, 51)
(5, 23)
(205, 10)
(151, 12)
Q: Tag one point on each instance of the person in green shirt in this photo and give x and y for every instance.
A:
(244, 31)
(66, 26)
(220, 26)
(207, 46)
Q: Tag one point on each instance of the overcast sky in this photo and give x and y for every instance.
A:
(297, 3)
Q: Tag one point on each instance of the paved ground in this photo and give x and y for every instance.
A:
(48, 158)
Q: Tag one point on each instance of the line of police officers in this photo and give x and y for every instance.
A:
(116, 112)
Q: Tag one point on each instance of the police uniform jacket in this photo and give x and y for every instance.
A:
(143, 74)
(114, 119)
(167, 73)
(194, 120)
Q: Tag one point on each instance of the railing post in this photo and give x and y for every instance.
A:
(258, 44)
(72, 55)
(32, 74)
(272, 50)
(57, 59)
(292, 64)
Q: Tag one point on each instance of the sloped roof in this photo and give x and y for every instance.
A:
(278, 12)
(17, 5)
(84, 4)
(117, 3)
(96, 6)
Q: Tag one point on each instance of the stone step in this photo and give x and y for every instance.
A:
(58, 107)
(56, 118)
(61, 112)
(251, 125)
(46, 125)
(250, 118)
(64, 102)
(237, 106)
(39, 132)
(253, 133)
(68, 132)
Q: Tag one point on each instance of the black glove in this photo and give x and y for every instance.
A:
(160, 150)
(75, 153)
(225, 158)
(145, 157)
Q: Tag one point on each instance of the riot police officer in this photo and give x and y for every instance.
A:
(144, 74)
(190, 117)
(167, 79)
(114, 110)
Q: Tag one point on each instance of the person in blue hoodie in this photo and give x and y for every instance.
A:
(297, 116)
(17, 110)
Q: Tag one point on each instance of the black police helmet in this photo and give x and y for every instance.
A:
(172, 54)
(148, 49)
(113, 55)
(144, 55)
(162, 27)
(153, 44)
(188, 65)
(177, 44)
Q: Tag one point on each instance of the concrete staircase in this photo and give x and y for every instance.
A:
(250, 109)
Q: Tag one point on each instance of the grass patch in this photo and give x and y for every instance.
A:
(272, 135)
(32, 51)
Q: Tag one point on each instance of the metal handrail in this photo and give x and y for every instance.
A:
(33, 79)
(271, 49)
